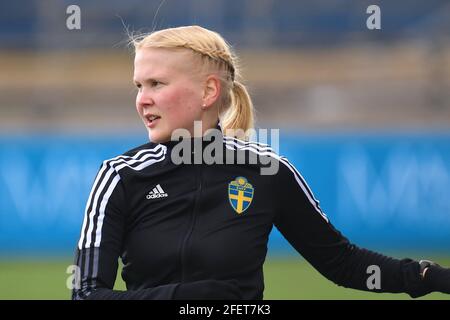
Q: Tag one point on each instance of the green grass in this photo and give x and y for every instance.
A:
(284, 279)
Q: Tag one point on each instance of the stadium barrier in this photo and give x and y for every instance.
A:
(380, 190)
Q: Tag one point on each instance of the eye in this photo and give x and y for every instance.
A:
(138, 86)
(155, 83)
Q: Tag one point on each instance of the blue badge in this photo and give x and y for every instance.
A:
(240, 194)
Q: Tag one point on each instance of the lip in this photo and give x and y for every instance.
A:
(150, 124)
(153, 123)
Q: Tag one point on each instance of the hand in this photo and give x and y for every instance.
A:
(208, 290)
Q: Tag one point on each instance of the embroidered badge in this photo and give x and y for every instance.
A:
(240, 194)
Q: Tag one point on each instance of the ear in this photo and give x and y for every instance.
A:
(211, 91)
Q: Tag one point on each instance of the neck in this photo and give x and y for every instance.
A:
(206, 134)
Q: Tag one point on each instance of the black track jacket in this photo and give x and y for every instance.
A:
(174, 223)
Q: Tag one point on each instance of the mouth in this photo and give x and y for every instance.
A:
(151, 119)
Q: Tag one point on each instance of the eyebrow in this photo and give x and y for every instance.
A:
(144, 80)
(147, 80)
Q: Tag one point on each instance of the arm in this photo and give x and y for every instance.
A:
(101, 240)
(308, 230)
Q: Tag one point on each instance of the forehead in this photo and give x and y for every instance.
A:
(163, 62)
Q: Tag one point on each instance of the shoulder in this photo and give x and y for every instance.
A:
(270, 161)
(252, 146)
(260, 149)
(146, 147)
(137, 157)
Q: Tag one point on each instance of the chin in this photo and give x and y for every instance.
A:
(157, 138)
(153, 138)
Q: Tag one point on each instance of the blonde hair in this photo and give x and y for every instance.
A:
(235, 104)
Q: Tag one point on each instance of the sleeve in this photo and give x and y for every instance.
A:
(302, 222)
(101, 241)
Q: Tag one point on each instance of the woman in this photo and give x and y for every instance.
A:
(200, 231)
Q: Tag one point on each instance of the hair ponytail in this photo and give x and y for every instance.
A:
(240, 114)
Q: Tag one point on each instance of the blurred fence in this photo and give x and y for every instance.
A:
(382, 191)
(312, 64)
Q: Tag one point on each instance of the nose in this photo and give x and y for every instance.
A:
(144, 98)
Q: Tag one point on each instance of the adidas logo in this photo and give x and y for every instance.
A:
(157, 192)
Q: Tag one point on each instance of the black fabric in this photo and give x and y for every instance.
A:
(209, 290)
(178, 235)
(438, 278)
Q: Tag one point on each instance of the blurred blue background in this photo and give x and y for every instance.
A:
(363, 114)
(384, 191)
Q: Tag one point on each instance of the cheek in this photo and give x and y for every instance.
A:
(138, 108)
(186, 102)
(173, 103)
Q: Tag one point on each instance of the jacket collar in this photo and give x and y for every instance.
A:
(205, 140)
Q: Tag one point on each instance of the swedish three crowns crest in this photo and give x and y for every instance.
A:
(240, 194)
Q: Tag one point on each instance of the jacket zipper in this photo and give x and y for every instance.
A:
(192, 223)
